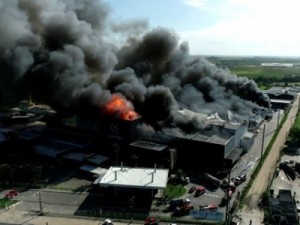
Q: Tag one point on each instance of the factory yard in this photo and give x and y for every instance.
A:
(75, 200)
(70, 186)
(70, 195)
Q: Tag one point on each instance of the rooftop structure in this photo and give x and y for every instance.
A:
(52, 149)
(282, 93)
(74, 156)
(212, 137)
(148, 145)
(95, 158)
(146, 178)
(280, 101)
(99, 171)
(211, 118)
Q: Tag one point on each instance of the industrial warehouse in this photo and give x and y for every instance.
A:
(113, 140)
(119, 158)
(118, 140)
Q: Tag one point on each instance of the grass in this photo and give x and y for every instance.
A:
(296, 125)
(174, 191)
(258, 71)
(295, 131)
(4, 202)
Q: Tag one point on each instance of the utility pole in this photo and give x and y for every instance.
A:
(131, 200)
(278, 118)
(227, 197)
(40, 203)
(262, 143)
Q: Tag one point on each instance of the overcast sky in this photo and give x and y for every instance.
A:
(222, 27)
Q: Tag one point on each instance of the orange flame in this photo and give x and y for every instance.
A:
(118, 105)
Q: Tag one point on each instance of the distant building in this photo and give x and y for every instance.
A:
(277, 65)
(281, 98)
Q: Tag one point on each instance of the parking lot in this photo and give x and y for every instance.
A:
(209, 200)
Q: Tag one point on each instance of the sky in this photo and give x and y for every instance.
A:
(222, 27)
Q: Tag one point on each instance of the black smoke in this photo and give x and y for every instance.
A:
(63, 53)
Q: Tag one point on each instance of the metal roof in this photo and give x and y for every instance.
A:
(95, 158)
(148, 145)
(212, 137)
(148, 178)
(94, 169)
(281, 101)
(232, 125)
(76, 156)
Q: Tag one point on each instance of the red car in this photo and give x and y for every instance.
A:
(151, 221)
(209, 207)
(212, 207)
(200, 190)
(12, 193)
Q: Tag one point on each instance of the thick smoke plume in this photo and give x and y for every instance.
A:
(60, 52)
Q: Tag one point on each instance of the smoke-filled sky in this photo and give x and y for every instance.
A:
(223, 27)
(64, 53)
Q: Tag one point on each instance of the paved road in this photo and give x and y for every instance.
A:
(251, 211)
(266, 173)
(270, 128)
(17, 217)
(51, 201)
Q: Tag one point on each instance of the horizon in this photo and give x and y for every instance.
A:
(230, 27)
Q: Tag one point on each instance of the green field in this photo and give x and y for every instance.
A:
(266, 72)
(295, 131)
(174, 191)
(4, 202)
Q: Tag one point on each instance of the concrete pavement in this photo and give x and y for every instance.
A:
(16, 217)
(246, 215)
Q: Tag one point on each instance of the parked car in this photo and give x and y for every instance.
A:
(151, 221)
(200, 190)
(107, 222)
(12, 193)
(178, 203)
(209, 207)
(192, 189)
(184, 210)
(241, 178)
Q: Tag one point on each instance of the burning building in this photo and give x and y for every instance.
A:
(60, 52)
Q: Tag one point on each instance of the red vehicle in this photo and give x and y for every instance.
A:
(12, 193)
(151, 221)
(210, 207)
(200, 190)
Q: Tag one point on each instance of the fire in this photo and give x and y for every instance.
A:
(119, 106)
